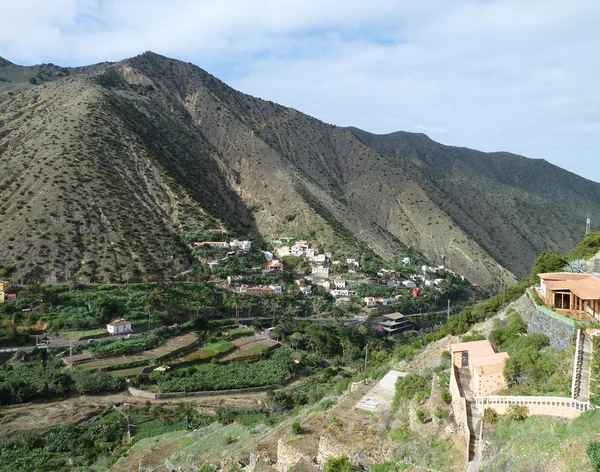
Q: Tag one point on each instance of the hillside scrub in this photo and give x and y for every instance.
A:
(49, 452)
(532, 368)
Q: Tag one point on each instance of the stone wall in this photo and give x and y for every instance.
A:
(560, 333)
(329, 447)
(288, 456)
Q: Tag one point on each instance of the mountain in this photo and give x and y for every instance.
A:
(107, 167)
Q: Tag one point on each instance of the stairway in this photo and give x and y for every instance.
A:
(584, 382)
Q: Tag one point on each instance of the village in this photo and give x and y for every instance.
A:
(312, 269)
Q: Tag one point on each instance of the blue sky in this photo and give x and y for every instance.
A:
(510, 75)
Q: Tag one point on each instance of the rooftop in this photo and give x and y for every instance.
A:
(585, 286)
(394, 316)
(475, 348)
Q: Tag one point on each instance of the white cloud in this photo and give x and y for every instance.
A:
(494, 75)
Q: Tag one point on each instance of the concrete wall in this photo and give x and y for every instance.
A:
(559, 332)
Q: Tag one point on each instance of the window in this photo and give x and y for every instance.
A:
(562, 301)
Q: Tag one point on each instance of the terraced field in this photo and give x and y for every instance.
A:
(170, 346)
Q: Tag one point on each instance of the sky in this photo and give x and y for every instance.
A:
(495, 75)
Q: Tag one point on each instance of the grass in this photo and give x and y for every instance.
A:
(257, 349)
(77, 334)
(237, 332)
(218, 346)
(430, 452)
(542, 443)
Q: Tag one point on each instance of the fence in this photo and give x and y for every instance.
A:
(556, 406)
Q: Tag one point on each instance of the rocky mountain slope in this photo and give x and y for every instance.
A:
(106, 167)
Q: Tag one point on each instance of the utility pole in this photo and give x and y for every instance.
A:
(366, 355)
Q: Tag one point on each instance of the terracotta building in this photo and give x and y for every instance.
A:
(569, 292)
(485, 365)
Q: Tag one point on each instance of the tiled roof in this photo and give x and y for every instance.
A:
(585, 286)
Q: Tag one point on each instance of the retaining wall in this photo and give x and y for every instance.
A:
(459, 408)
(559, 329)
(136, 392)
(288, 457)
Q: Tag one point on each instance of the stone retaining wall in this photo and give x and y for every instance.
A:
(136, 392)
(288, 457)
(559, 332)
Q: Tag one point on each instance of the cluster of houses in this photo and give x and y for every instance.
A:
(5, 286)
(302, 248)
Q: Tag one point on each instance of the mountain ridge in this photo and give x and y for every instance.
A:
(186, 150)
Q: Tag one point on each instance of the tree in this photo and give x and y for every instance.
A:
(547, 262)
(33, 81)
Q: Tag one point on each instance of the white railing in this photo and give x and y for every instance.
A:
(577, 364)
(533, 401)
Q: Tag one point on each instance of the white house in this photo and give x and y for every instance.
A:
(268, 255)
(352, 262)
(306, 290)
(406, 260)
(282, 251)
(310, 252)
(339, 283)
(119, 326)
(319, 258)
(342, 293)
(370, 301)
(243, 245)
(409, 284)
(277, 290)
(424, 268)
(320, 271)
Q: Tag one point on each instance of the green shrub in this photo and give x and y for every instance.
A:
(446, 396)
(296, 427)
(593, 452)
(518, 412)
(490, 416)
(338, 464)
(421, 415)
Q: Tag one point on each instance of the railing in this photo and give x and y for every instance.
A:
(577, 364)
(533, 401)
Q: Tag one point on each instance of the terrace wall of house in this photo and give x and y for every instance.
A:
(560, 330)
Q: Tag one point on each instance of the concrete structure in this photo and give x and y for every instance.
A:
(119, 326)
(394, 323)
(380, 397)
(409, 284)
(569, 292)
(342, 292)
(352, 262)
(486, 366)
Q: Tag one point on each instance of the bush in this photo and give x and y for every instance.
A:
(408, 386)
(446, 397)
(296, 427)
(593, 452)
(490, 416)
(421, 416)
(518, 412)
(338, 464)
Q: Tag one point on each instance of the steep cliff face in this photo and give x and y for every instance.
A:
(108, 166)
